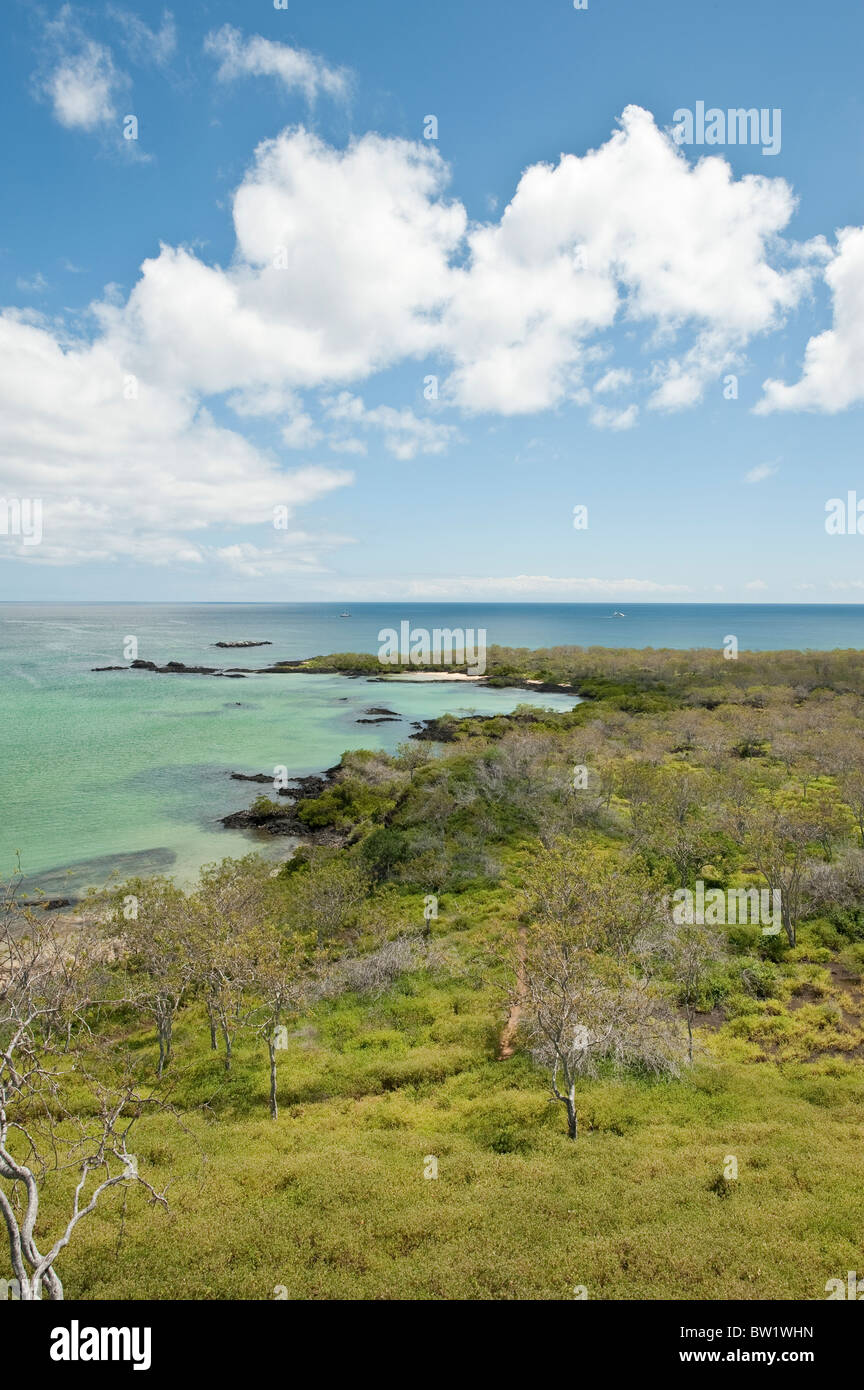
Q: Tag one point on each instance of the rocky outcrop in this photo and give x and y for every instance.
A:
(380, 716)
(267, 821)
(247, 643)
(441, 730)
(274, 819)
(179, 668)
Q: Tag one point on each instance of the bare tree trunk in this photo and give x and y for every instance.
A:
(212, 1021)
(19, 1268)
(22, 1246)
(271, 1048)
(164, 1031)
(787, 920)
(226, 1037)
(568, 1099)
(572, 1117)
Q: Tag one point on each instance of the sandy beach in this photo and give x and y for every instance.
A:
(434, 676)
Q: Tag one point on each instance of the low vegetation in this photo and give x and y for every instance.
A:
(471, 1049)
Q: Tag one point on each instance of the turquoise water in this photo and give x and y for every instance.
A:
(130, 771)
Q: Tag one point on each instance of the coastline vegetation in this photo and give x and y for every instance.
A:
(338, 1073)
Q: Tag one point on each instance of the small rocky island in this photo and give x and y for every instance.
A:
(247, 643)
(380, 716)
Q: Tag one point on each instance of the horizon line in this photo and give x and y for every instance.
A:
(430, 603)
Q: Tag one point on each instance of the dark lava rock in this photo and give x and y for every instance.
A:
(177, 668)
(272, 822)
(252, 820)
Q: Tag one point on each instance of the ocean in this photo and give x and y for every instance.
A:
(113, 773)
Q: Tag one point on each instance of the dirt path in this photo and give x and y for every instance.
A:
(507, 1043)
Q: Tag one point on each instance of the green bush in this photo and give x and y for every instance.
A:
(383, 851)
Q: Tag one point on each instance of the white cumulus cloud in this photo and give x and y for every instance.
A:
(631, 230)
(127, 468)
(349, 261)
(833, 375)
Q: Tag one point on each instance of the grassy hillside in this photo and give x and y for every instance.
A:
(387, 1077)
(330, 1200)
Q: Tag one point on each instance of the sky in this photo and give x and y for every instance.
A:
(452, 300)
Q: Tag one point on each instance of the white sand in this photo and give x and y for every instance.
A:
(433, 676)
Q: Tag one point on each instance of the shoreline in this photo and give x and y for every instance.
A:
(375, 674)
(430, 730)
(258, 830)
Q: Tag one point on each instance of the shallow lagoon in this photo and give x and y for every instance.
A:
(120, 772)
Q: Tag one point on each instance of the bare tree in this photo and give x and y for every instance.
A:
(234, 899)
(282, 979)
(48, 1053)
(577, 1014)
(692, 950)
(603, 903)
(780, 842)
(585, 991)
(852, 790)
(151, 920)
(838, 885)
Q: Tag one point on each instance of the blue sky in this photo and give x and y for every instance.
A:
(232, 320)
